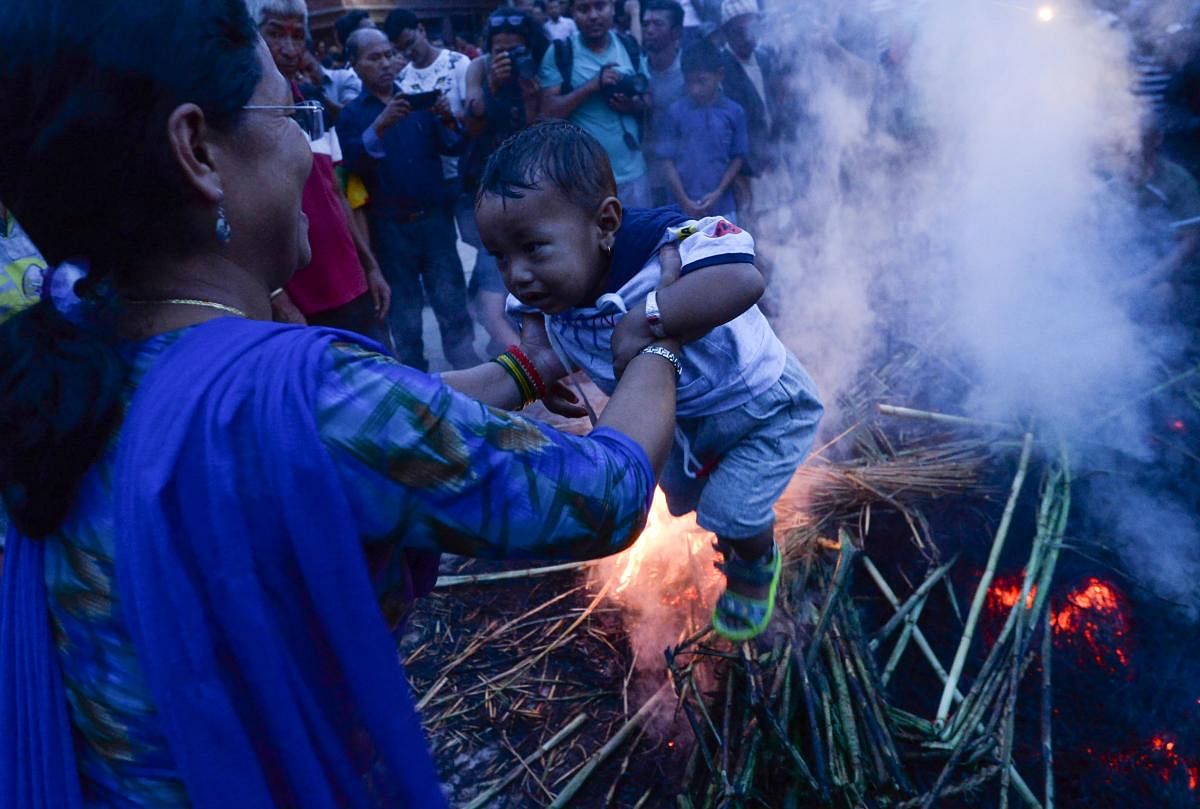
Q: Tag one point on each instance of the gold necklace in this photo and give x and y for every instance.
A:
(193, 302)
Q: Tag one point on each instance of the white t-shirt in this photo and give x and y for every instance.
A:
(561, 29)
(724, 369)
(447, 74)
(690, 18)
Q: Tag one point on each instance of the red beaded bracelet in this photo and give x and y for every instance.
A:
(532, 372)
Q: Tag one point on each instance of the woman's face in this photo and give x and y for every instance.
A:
(266, 160)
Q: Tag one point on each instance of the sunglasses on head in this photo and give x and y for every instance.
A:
(515, 20)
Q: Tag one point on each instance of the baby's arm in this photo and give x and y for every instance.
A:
(691, 307)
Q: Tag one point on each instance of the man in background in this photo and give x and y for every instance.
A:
(342, 287)
(750, 78)
(558, 26)
(662, 31)
(397, 150)
(582, 80)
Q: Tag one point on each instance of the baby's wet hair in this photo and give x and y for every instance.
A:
(552, 154)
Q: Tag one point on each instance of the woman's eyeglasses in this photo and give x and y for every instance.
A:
(515, 20)
(308, 115)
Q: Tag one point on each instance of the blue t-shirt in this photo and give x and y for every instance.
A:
(702, 141)
(594, 115)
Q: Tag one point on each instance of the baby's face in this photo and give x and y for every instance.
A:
(547, 247)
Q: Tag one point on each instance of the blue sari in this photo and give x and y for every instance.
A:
(276, 679)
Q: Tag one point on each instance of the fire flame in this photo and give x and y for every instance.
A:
(666, 559)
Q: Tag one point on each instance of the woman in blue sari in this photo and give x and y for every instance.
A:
(216, 517)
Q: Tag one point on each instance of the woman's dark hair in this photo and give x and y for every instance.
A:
(552, 154)
(535, 38)
(86, 168)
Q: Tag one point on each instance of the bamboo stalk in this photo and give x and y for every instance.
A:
(509, 575)
(484, 798)
(840, 578)
(1047, 716)
(810, 708)
(985, 582)
(917, 595)
(906, 634)
(944, 418)
(568, 792)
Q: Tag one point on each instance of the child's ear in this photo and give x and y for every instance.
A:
(608, 218)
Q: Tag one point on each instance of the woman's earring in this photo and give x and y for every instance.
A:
(224, 231)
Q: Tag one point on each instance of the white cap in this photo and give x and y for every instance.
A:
(736, 8)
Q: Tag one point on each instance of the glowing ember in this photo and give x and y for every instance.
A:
(1045, 13)
(1179, 425)
(1094, 622)
(1160, 757)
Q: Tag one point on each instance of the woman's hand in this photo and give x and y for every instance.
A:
(535, 342)
(632, 333)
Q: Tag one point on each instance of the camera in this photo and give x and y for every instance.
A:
(525, 67)
(632, 84)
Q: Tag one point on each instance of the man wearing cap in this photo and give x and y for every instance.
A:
(750, 74)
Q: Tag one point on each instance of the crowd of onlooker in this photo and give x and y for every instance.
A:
(689, 105)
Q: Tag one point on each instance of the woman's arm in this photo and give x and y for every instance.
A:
(428, 468)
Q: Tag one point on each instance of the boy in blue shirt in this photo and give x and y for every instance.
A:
(746, 410)
(703, 140)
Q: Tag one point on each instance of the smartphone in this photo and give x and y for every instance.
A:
(422, 101)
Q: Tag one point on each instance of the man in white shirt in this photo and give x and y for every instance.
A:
(558, 26)
(429, 68)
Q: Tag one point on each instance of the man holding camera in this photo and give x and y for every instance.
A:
(395, 143)
(598, 80)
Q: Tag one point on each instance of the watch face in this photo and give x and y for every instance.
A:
(31, 282)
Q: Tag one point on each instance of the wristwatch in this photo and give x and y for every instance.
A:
(653, 316)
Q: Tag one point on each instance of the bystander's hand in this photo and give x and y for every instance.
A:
(500, 72)
(396, 110)
(443, 111)
(381, 293)
(607, 77)
(284, 311)
(706, 202)
(626, 105)
(632, 333)
(694, 208)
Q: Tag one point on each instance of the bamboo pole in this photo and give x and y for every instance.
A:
(944, 418)
(1047, 715)
(918, 595)
(985, 582)
(840, 577)
(484, 798)
(508, 575)
(600, 756)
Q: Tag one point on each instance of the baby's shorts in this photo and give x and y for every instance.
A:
(759, 445)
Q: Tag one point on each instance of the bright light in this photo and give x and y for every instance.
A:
(1045, 13)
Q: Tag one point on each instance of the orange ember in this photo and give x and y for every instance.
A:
(1094, 623)
(1160, 757)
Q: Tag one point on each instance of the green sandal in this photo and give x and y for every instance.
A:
(750, 614)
